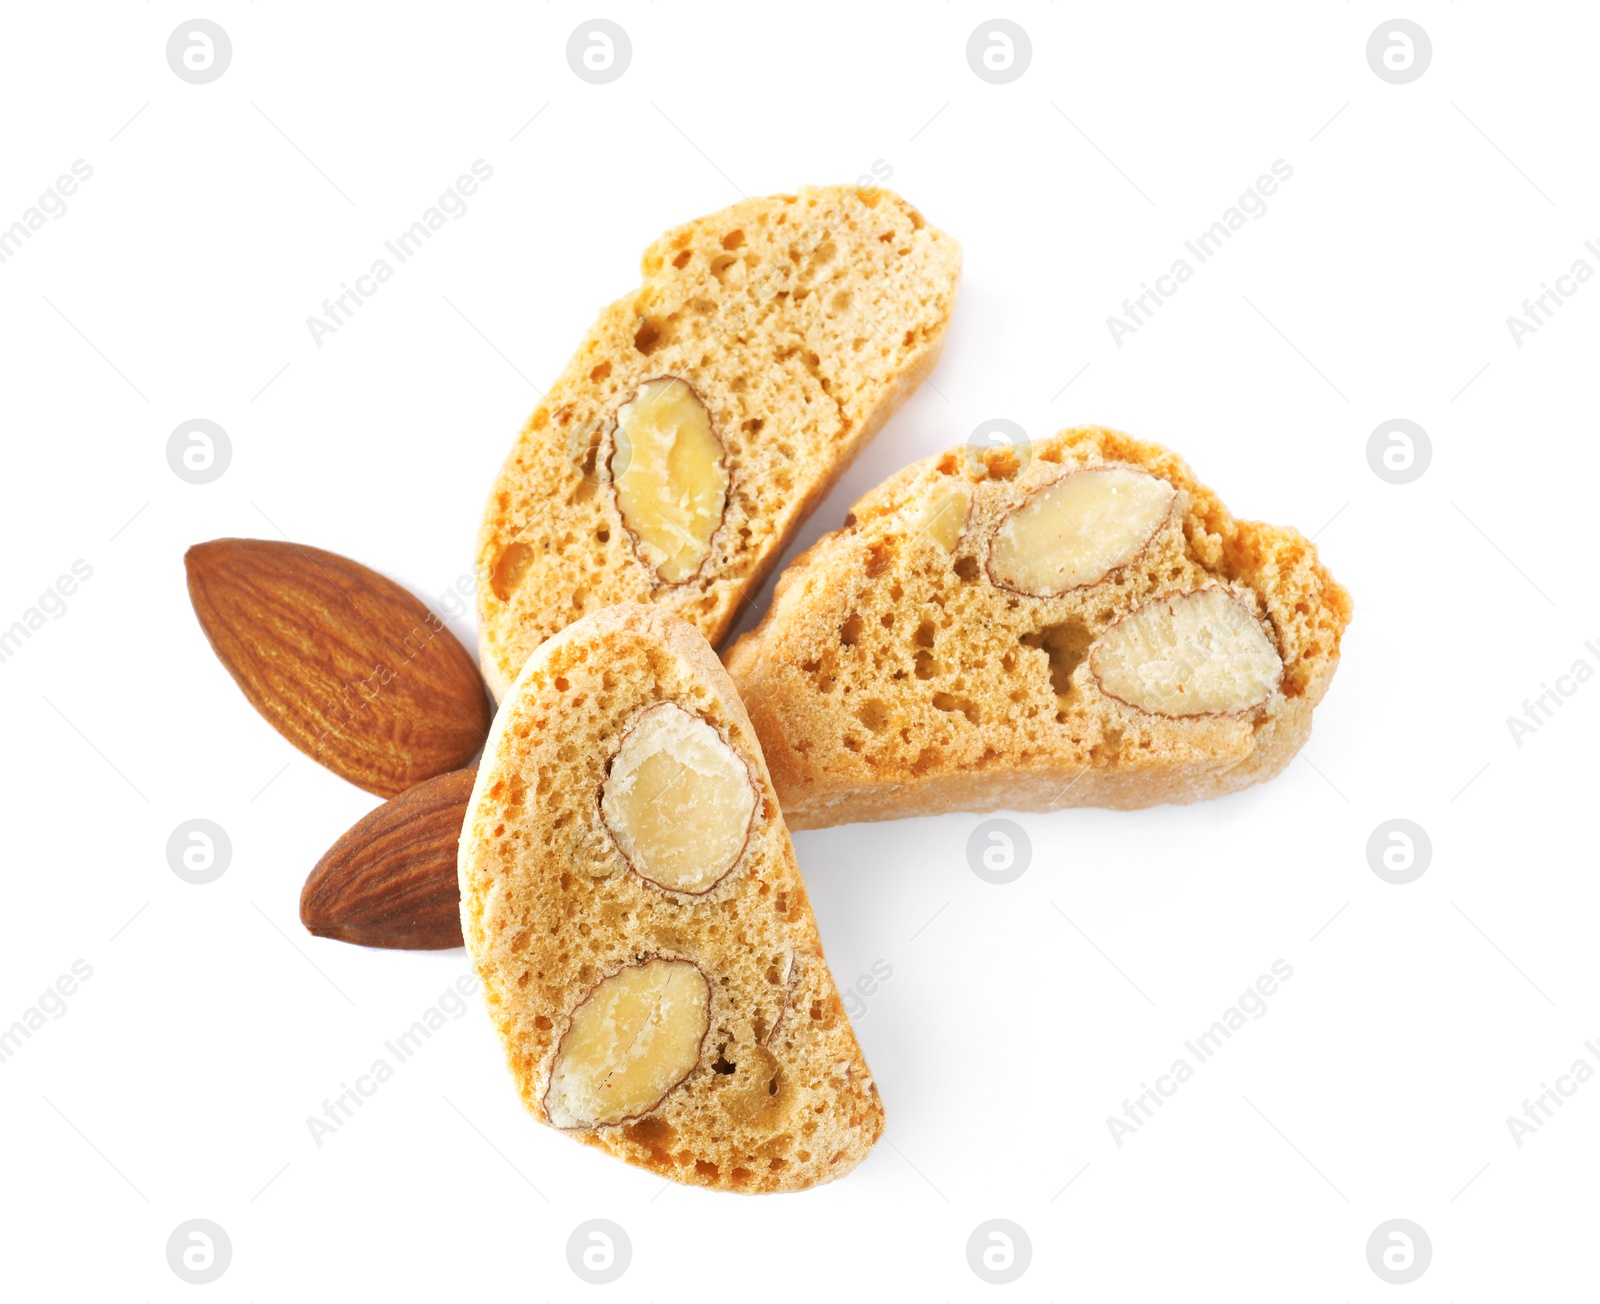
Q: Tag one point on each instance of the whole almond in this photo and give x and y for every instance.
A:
(391, 880)
(348, 666)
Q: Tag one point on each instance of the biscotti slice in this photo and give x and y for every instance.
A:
(709, 411)
(632, 904)
(1075, 623)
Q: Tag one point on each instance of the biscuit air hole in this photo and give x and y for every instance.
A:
(647, 337)
(1064, 645)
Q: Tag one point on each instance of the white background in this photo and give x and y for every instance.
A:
(177, 285)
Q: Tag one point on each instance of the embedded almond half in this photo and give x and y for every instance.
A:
(391, 879)
(669, 477)
(1079, 529)
(942, 517)
(347, 665)
(678, 800)
(1200, 653)
(636, 1036)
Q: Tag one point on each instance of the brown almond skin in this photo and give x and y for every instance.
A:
(391, 879)
(348, 666)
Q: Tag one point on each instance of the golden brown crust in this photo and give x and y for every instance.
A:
(548, 908)
(801, 322)
(891, 678)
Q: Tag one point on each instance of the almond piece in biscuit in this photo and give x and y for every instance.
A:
(632, 904)
(1086, 626)
(709, 411)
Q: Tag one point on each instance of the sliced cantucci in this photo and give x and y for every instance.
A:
(634, 1038)
(631, 901)
(1099, 631)
(669, 477)
(1200, 653)
(1079, 529)
(707, 412)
